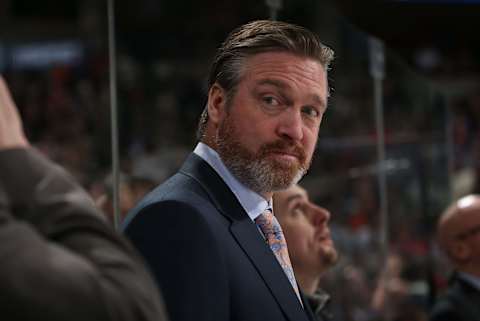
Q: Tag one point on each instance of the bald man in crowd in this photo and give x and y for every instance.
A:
(459, 237)
(311, 249)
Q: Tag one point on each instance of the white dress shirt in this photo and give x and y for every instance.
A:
(472, 279)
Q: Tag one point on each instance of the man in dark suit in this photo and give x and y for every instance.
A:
(59, 259)
(459, 237)
(208, 232)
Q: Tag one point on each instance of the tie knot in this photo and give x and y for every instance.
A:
(268, 223)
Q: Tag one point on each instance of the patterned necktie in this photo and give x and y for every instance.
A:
(272, 230)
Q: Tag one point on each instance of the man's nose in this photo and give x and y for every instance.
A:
(319, 215)
(291, 125)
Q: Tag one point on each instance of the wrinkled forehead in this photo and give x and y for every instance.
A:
(289, 65)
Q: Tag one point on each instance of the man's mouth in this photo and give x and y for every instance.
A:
(286, 155)
(286, 151)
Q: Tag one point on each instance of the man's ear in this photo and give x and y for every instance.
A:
(217, 103)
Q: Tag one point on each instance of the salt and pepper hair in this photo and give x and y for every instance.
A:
(257, 37)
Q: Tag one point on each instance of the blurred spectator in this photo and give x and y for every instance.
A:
(132, 189)
(459, 237)
(311, 249)
(396, 297)
(428, 59)
(105, 198)
(391, 286)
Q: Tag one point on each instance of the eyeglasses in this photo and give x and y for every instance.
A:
(468, 233)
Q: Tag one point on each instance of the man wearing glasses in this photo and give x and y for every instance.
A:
(459, 237)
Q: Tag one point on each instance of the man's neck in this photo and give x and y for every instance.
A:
(308, 284)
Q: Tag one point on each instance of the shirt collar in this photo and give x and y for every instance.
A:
(473, 280)
(252, 202)
(318, 302)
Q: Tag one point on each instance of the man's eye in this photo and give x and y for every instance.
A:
(298, 211)
(311, 111)
(270, 100)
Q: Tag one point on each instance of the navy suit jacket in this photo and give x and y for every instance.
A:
(460, 302)
(207, 255)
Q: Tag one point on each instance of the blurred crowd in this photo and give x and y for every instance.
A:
(66, 113)
(432, 148)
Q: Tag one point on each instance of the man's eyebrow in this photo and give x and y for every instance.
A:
(280, 84)
(293, 197)
(318, 100)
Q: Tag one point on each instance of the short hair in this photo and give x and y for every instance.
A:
(258, 37)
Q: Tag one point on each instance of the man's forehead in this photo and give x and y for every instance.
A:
(267, 64)
(467, 207)
(294, 192)
(461, 214)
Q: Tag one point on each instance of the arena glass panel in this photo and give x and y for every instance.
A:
(385, 268)
(59, 76)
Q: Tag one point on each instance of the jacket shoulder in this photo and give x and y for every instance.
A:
(180, 192)
(457, 303)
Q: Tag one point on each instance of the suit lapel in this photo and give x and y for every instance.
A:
(262, 257)
(247, 235)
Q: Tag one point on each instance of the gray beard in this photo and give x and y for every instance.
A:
(253, 171)
(260, 176)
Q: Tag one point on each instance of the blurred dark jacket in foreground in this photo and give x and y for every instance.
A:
(59, 259)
